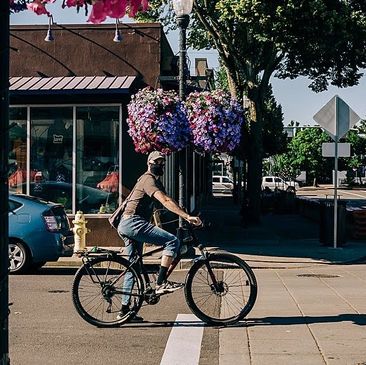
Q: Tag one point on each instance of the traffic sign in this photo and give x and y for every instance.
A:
(328, 149)
(336, 117)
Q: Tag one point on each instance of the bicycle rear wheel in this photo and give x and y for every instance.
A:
(221, 290)
(98, 288)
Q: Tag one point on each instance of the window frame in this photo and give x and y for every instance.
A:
(74, 146)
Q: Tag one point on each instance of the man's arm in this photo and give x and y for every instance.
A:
(171, 205)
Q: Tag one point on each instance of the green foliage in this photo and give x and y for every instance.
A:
(274, 138)
(357, 139)
(305, 154)
(221, 79)
(324, 40)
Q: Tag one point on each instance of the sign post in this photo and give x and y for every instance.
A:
(336, 117)
(336, 138)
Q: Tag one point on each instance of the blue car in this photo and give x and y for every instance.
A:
(39, 231)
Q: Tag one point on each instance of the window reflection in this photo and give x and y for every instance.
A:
(51, 154)
(97, 158)
(18, 149)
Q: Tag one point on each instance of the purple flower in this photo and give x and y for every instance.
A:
(215, 120)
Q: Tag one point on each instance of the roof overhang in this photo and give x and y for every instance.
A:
(70, 85)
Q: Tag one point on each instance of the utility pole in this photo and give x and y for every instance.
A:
(4, 191)
(182, 22)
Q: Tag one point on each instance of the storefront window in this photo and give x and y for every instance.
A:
(51, 154)
(17, 149)
(52, 150)
(97, 158)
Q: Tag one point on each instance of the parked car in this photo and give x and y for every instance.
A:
(222, 184)
(273, 182)
(39, 231)
(89, 200)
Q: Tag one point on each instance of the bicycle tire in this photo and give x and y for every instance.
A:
(212, 305)
(93, 292)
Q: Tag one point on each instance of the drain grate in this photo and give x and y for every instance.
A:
(58, 291)
(320, 276)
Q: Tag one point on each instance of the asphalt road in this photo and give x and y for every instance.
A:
(46, 329)
(355, 197)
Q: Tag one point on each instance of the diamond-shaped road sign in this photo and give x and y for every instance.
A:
(336, 111)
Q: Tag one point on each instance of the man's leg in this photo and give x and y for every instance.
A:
(128, 281)
(147, 232)
(164, 266)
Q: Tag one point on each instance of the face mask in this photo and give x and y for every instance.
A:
(157, 170)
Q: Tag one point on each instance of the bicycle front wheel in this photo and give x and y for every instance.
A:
(221, 289)
(99, 287)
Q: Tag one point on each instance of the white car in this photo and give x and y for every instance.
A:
(273, 182)
(222, 184)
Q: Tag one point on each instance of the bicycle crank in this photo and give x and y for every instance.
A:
(150, 297)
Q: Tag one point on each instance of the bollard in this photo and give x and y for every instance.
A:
(80, 231)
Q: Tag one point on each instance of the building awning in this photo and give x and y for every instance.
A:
(71, 85)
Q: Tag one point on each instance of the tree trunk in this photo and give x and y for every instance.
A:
(255, 154)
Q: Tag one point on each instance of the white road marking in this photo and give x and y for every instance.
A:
(184, 343)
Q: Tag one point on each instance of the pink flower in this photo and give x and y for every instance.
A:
(71, 3)
(98, 14)
(38, 7)
(115, 8)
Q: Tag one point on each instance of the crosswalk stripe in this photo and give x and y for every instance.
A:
(184, 342)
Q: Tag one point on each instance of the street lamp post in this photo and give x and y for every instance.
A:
(4, 150)
(182, 9)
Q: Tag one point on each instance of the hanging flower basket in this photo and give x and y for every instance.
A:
(157, 121)
(101, 9)
(215, 120)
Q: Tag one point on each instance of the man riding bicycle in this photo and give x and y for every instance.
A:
(135, 224)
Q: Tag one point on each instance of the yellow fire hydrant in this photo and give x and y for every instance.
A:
(80, 231)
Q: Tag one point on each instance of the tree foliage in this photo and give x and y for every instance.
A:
(304, 153)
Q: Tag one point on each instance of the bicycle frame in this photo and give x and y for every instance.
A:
(113, 276)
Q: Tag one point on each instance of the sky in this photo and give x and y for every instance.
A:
(298, 102)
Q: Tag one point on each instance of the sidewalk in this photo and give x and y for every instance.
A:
(311, 300)
(278, 240)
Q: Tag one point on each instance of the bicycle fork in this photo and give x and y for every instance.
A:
(204, 257)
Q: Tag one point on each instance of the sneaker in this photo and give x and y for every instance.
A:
(168, 287)
(125, 312)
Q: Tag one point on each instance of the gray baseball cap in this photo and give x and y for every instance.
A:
(155, 155)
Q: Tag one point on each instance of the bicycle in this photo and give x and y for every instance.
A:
(220, 288)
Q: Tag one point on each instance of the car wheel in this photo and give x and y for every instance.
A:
(19, 257)
(291, 189)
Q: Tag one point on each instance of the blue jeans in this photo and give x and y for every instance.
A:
(140, 230)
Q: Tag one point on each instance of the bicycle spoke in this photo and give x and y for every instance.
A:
(98, 290)
(221, 293)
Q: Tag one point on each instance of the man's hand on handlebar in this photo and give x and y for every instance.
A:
(196, 221)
